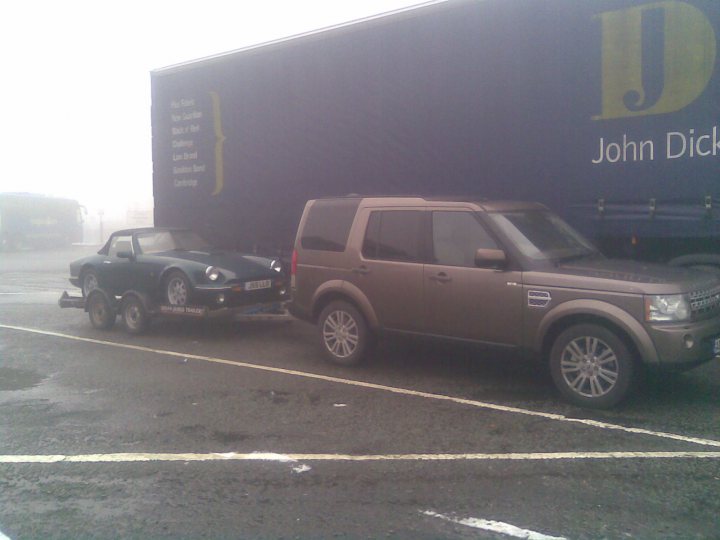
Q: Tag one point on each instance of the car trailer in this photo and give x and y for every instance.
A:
(137, 310)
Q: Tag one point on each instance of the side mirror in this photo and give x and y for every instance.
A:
(125, 255)
(490, 258)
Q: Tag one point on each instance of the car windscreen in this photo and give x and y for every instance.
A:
(160, 241)
(541, 235)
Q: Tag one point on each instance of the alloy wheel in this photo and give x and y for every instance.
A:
(589, 366)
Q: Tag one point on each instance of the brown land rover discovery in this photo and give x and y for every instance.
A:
(506, 274)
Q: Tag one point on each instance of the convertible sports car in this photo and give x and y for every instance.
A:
(178, 267)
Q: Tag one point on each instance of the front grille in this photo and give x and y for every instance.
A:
(705, 302)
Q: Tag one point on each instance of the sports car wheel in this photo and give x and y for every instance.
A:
(102, 315)
(89, 282)
(591, 366)
(343, 333)
(177, 289)
(134, 315)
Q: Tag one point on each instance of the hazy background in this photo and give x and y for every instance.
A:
(76, 85)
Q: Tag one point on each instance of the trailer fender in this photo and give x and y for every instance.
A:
(144, 298)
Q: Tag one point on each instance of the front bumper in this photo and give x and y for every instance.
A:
(682, 346)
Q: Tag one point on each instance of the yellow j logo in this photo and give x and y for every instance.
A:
(219, 140)
(656, 58)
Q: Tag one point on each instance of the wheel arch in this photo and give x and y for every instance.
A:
(342, 290)
(629, 330)
(84, 268)
(83, 271)
(162, 277)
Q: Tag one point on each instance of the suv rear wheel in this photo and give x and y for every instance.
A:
(591, 366)
(343, 333)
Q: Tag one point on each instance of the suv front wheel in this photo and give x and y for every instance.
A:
(343, 333)
(591, 366)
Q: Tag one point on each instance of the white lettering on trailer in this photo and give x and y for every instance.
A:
(628, 150)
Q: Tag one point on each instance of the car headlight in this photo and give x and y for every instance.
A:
(275, 265)
(212, 273)
(667, 307)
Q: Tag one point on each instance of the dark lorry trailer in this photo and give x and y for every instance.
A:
(607, 111)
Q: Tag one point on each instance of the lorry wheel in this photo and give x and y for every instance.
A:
(591, 366)
(177, 289)
(344, 333)
(101, 313)
(134, 315)
(89, 281)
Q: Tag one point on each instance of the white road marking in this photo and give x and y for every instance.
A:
(496, 526)
(391, 389)
(3, 537)
(292, 458)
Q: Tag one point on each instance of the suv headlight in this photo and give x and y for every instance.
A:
(212, 273)
(667, 307)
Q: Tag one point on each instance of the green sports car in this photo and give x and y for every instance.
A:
(179, 268)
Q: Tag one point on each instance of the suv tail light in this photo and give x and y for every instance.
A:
(293, 264)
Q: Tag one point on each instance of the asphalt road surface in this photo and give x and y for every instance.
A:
(242, 430)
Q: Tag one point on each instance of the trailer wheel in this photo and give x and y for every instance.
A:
(135, 316)
(101, 313)
(177, 289)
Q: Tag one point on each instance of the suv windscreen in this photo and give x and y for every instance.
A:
(328, 224)
(542, 235)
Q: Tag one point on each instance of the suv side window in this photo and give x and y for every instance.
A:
(120, 243)
(328, 224)
(394, 235)
(456, 237)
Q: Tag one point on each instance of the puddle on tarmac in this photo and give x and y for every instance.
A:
(18, 379)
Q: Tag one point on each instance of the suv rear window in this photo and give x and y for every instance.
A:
(328, 224)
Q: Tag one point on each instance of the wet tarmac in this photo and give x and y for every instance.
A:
(242, 430)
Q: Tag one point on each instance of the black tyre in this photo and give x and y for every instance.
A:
(89, 281)
(177, 289)
(135, 316)
(102, 314)
(344, 334)
(592, 367)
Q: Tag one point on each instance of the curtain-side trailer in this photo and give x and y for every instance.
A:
(608, 111)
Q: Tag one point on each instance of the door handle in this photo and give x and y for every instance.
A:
(442, 277)
(361, 270)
